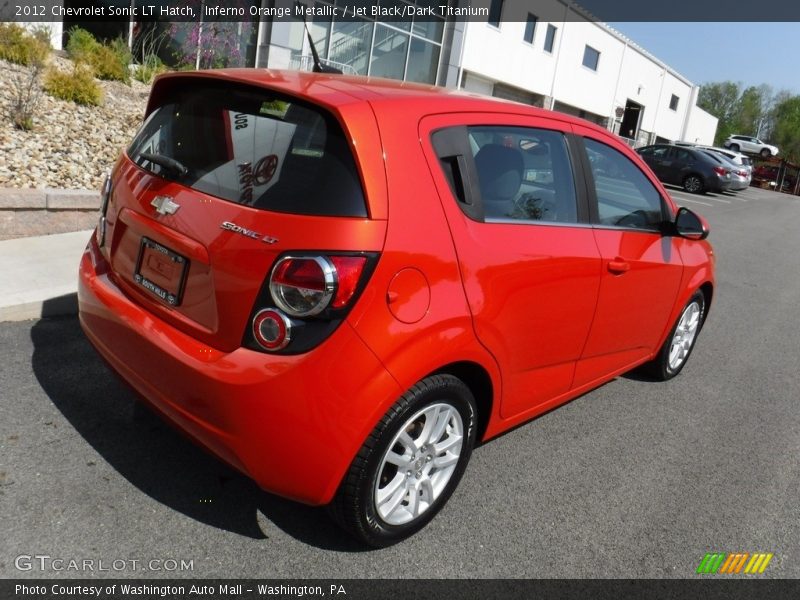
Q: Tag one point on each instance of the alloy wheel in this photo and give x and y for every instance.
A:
(419, 463)
(684, 335)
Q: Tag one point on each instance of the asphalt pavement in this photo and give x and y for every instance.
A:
(634, 479)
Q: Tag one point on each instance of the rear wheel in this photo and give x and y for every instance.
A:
(410, 464)
(693, 184)
(680, 342)
(734, 147)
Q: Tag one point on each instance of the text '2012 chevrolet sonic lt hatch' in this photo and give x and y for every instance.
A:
(338, 285)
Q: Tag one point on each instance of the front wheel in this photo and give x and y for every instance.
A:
(410, 464)
(765, 153)
(679, 343)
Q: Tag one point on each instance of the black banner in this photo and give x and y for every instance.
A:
(406, 589)
(398, 10)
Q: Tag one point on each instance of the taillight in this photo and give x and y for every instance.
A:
(305, 298)
(271, 329)
(104, 199)
(721, 171)
(348, 274)
(304, 286)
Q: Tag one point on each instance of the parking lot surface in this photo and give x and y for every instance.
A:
(635, 479)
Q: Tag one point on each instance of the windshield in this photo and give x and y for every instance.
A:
(251, 147)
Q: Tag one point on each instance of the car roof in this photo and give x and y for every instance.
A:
(336, 90)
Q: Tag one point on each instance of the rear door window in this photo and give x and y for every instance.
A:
(524, 174)
(252, 147)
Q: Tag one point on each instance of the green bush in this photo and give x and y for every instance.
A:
(109, 61)
(150, 67)
(81, 45)
(78, 86)
(17, 46)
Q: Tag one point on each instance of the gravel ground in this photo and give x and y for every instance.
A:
(70, 146)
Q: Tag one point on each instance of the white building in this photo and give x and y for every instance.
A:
(584, 68)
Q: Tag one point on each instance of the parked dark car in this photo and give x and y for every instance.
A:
(690, 168)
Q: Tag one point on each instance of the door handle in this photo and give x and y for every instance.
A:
(619, 266)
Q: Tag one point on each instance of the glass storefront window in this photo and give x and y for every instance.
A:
(350, 43)
(389, 53)
(423, 61)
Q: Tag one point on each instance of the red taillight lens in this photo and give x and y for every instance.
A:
(303, 286)
(721, 171)
(271, 329)
(348, 272)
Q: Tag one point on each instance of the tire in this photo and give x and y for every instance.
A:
(693, 184)
(680, 342)
(433, 426)
(734, 147)
(765, 153)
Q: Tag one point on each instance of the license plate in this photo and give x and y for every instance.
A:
(161, 271)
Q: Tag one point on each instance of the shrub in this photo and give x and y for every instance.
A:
(109, 61)
(81, 45)
(78, 86)
(26, 92)
(17, 46)
(150, 67)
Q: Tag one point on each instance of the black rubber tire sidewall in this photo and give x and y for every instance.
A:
(659, 367)
(354, 509)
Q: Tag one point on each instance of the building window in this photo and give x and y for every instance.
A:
(406, 50)
(673, 102)
(530, 28)
(550, 38)
(495, 10)
(590, 58)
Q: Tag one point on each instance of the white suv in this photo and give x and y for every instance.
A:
(751, 145)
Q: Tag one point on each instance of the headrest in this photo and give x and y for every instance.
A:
(499, 171)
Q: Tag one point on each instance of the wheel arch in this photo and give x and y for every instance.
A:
(478, 380)
(707, 289)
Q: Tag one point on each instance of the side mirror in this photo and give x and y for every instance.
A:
(690, 225)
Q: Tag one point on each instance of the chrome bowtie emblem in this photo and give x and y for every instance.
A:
(164, 205)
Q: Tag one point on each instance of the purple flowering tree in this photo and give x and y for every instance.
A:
(211, 44)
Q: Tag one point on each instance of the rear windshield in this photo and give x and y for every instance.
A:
(251, 147)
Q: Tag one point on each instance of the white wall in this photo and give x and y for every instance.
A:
(701, 127)
(578, 85)
(625, 72)
(56, 29)
(503, 55)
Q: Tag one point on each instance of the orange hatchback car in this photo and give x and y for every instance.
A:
(339, 285)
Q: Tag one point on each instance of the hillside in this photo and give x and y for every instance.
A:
(70, 146)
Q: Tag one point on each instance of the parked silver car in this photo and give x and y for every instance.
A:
(740, 176)
(736, 158)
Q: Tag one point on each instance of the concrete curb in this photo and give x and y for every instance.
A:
(40, 275)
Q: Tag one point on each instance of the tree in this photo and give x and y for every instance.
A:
(786, 132)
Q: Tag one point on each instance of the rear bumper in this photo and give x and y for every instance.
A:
(292, 423)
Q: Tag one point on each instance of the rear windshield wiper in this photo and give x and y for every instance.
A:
(165, 161)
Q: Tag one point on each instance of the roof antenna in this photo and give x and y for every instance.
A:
(318, 66)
